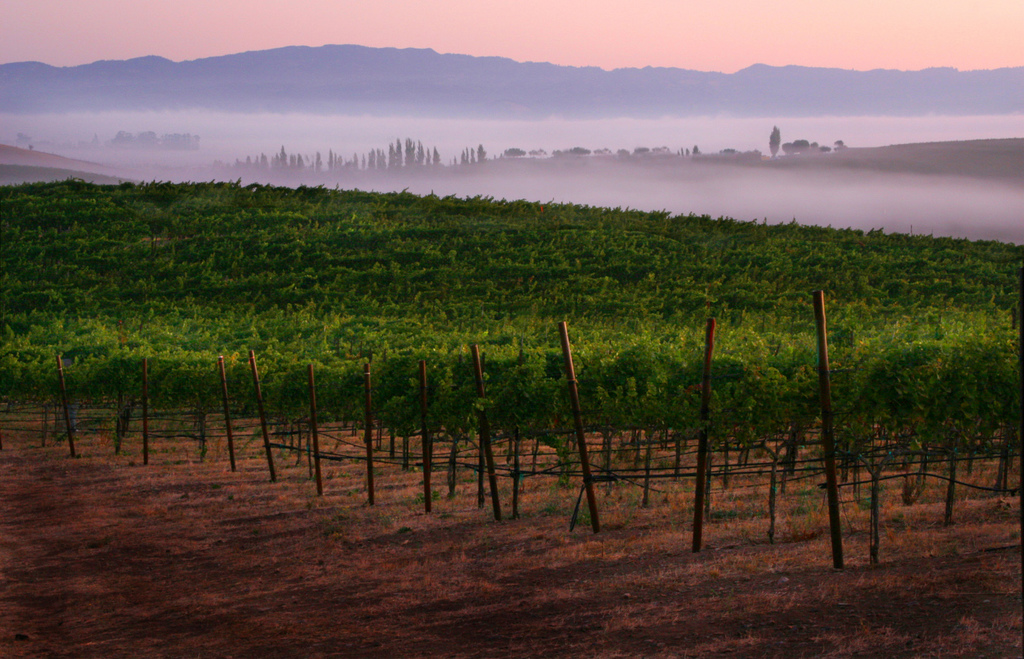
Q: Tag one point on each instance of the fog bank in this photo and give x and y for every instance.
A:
(227, 136)
(900, 203)
(865, 199)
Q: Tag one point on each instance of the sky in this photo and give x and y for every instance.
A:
(710, 35)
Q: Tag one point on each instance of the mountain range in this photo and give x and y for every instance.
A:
(348, 79)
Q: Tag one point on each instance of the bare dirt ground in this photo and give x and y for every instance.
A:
(103, 557)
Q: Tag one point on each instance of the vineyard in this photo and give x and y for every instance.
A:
(337, 337)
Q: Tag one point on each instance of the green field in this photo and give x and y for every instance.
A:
(921, 327)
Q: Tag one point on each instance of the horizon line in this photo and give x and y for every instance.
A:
(502, 57)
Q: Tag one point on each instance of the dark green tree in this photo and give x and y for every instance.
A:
(774, 141)
(410, 152)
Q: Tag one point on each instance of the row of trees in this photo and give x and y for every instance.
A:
(411, 154)
(407, 155)
(149, 140)
(797, 147)
(579, 151)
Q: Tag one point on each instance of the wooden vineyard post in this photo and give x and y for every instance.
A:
(368, 436)
(67, 408)
(427, 444)
(485, 434)
(827, 437)
(263, 415)
(947, 518)
(118, 428)
(314, 432)
(1020, 426)
(700, 486)
(581, 440)
(480, 469)
(515, 474)
(227, 411)
(145, 411)
(647, 470)
(309, 450)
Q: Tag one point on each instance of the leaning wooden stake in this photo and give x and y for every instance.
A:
(315, 433)
(485, 434)
(145, 411)
(827, 436)
(581, 440)
(309, 450)
(263, 415)
(700, 486)
(368, 436)
(427, 444)
(227, 411)
(67, 408)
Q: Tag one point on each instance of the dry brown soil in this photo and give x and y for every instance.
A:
(103, 557)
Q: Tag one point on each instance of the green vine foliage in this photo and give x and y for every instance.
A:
(183, 273)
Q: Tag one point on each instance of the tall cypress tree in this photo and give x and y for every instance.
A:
(410, 153)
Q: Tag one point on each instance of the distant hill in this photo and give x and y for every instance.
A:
(28, 166)
(12, 155)
(18, 174)
(390, 81)
(995, 160)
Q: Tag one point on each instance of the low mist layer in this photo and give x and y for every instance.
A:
(943, 190)
(227, 136)
(905, 203)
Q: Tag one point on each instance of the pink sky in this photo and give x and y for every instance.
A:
(711, 35)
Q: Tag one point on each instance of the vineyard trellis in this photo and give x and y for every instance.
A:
(867, 430)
